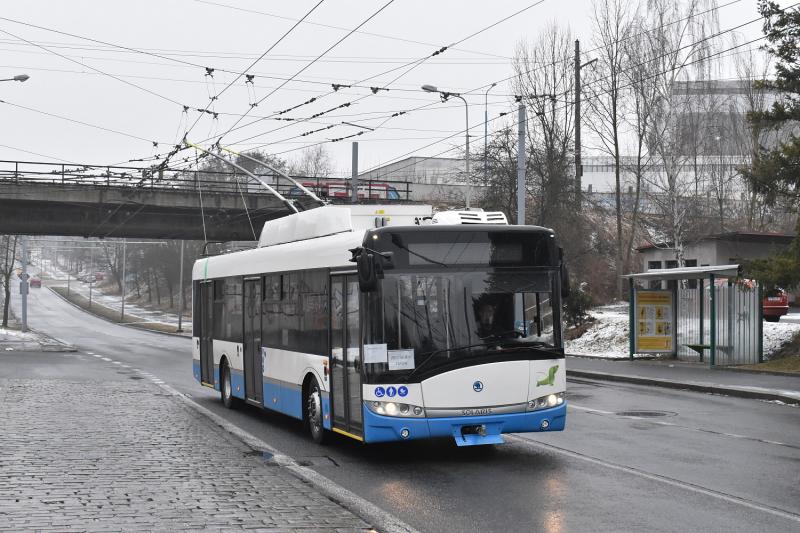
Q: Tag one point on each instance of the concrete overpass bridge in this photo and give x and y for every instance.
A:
(113, 202)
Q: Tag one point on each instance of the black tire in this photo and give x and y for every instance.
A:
(772, 318)
(226, 388)
(313, 413)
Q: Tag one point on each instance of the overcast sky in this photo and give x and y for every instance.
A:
(224, 38)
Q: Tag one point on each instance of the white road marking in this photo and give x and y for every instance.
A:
(679, 426)
(661, 479)
(105, 359)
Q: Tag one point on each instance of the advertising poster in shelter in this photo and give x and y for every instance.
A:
(655, 322)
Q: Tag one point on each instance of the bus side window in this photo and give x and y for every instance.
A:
(271, 311)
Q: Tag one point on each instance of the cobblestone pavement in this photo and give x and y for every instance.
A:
(123, 455)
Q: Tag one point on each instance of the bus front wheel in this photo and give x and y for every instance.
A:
(225, 388)
(314, 412)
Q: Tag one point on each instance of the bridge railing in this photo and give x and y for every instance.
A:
(206, 181)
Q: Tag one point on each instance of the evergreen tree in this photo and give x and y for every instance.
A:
(775, 172)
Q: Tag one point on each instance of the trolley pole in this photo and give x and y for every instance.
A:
(521, 166)
(122, 282)
(180, 297)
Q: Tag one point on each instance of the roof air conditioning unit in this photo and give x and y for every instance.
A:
(470, 217)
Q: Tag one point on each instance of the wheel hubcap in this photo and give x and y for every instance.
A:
(315, 410)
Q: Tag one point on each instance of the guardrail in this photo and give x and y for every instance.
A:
(39, 173)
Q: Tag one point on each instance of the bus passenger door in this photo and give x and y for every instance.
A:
(206, 332)
(253, 376)
(346, 403)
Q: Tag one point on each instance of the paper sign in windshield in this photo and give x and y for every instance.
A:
(375, 353)
(401, 359)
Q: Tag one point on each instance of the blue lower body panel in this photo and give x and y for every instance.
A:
(378, 428)
(237, 383)
(283, 397)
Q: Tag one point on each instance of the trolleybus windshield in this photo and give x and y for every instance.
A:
(445, 317)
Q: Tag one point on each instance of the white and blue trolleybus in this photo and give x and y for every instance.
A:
(388, 323)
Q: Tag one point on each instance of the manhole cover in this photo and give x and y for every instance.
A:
(644, 414)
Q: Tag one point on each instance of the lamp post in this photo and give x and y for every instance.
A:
(24, 283)
(486, 131)
(445, 95)
(18, 77)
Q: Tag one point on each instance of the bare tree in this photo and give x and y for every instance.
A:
(674, 193)
(544, 80)
(752, 70)
(314, 162)
(611, 28)
(8, 248)
(641, 77)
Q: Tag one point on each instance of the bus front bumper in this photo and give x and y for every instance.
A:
(466, 430)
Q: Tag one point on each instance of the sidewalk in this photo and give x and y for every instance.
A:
(95, 446)
(688, 376)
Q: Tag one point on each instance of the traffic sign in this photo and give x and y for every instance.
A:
(24, 276)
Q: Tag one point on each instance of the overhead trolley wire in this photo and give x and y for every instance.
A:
(413, 64)
(244, 73)
(139, 87)
(566, 59)
(87, 124)
(382, 36)
(560, 108)
(308, 65)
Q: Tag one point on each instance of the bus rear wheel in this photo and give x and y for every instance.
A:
(314, 412)
(225, 387)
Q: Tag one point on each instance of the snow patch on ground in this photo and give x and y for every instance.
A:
(608, 335)
(14, 340)
(776, 334)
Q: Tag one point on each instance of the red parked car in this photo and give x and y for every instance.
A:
(36, 283)
(775, 305)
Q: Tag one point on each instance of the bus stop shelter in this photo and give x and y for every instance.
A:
(706, 314)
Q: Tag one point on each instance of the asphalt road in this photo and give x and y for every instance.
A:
(707, 463)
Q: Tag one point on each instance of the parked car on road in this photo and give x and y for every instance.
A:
(36, 283)
(775, 305)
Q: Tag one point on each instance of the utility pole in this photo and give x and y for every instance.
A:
(521, 165)
(354, 175)
(23, 286)
(486, 133)
(91, 275)
(578, 165)
(180, 288)
(122, 284)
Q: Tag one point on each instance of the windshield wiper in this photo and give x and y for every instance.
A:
(434, 353)
(397, 242)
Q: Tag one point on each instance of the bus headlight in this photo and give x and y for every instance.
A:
(395, 409)
(546, 402)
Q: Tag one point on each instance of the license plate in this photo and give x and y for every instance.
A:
(774, 299)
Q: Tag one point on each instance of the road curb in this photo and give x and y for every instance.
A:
(364, 509)
(123, 324)
(756, 393)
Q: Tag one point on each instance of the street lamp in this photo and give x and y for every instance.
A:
(445, 95)
(18, 77)
(24, 284)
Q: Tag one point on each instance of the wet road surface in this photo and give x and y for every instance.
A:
(632, 458)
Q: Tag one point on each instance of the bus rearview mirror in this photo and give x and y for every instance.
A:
(367, 275)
